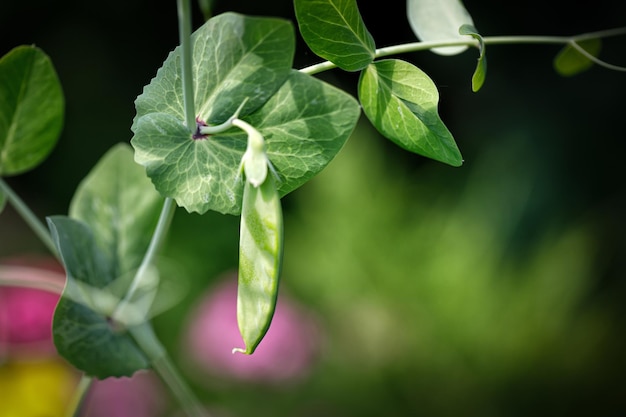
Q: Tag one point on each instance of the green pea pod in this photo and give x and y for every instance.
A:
(260, 258)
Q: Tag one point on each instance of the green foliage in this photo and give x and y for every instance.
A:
(478, 79)
(201, 174)
(114, 212)
(262, 130)
(439, 20)
(31, 109)
(423, 286)
(401, 102)
(334, 30)
(234, 57)
(570, 61)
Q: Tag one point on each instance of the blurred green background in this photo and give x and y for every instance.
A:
(494, 289)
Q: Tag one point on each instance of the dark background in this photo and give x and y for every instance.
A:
(567, 133)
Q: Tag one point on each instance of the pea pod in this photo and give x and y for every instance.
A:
(260, 245)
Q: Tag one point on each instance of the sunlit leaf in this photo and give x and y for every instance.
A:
(570, 61)
(439, 20)
(304, 124)
(235, 58)
(31, 109)
(334, 30)
(478, 79)
(401, 102)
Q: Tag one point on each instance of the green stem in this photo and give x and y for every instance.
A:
(144, 333)
(163, 366)
(78, 398)
(29, 217)
(163, 224)
(489, 40)
(184, 32)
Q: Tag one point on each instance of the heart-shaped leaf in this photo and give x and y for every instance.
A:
(305, 124)
(401, 102)
(31, 109)
(334, 30)
(439, 20)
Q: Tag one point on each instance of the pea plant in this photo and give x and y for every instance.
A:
(226, 125)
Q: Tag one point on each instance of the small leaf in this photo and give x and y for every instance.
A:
(260, 258)
(401, 102)
(31, 109)
(304, 124)
(82, 333)
(120, 205)
(570, 61)
(478, 79)
(334, 30)
(439, 20)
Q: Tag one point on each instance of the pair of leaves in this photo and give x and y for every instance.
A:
(397, 97)
(32, 108)
(236, 58)
(112, 216)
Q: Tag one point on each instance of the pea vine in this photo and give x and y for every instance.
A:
(226, 125)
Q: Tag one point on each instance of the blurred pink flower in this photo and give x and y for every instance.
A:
(142, 395)
(25, 310)
(287, 352)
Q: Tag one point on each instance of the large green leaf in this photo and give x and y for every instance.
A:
(304, 124)
(31, 109)
(120, 205)
(334, 30)
(439, 20)
(83, 333)
(571, 61)
(401, 102)
(234, 57)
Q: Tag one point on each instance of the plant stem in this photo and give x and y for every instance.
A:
(489, 40)
(184, 32)
(162, 364)
(78, 398)
(29, 217)
(160, 232)
(144, 333)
